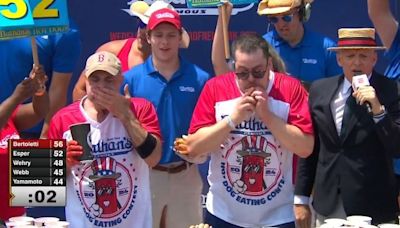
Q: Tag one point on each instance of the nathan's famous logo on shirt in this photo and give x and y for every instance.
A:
(111, 147)
(103, 147)
(107, 191)
(310, 61)
(252, 169)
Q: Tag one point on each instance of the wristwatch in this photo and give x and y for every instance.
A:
(381, 114)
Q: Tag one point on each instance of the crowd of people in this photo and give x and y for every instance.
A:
(290, 136)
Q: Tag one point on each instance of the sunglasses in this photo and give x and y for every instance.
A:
(246, 74)
(287, 18)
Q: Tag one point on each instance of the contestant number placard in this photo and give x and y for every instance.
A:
(22, 18)
(37, 172)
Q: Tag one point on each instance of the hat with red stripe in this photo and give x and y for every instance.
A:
(356, 38)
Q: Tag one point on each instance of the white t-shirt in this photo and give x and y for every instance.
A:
(113, 190)
(251, 175)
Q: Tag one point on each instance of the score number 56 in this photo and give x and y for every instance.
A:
(41, 10)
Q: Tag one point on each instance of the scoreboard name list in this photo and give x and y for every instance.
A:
(37, 172)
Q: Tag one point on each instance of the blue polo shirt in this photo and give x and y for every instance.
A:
(393, 54)
(174, 100)
(58, 52)
(309, 60)
(393, 71)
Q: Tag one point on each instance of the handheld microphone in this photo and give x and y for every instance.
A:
(359, 81)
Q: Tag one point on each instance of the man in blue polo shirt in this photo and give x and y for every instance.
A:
(389, 31)
(58, 53)
(303, 51)
(173, 85)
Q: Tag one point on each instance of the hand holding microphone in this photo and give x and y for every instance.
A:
(365, 94)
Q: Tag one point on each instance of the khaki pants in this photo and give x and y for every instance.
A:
(180, 193)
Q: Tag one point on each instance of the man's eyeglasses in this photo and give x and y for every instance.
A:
(246, 74)
(287, 18)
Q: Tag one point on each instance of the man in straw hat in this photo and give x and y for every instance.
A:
(251, 122)
(173, 85)
(357, 130)
(125, 141)
(303, 51)
(131, 51)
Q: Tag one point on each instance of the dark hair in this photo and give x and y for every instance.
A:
(148, 31)
(250, 43)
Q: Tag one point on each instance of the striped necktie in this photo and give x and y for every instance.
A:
(348, 107)
(340, 103)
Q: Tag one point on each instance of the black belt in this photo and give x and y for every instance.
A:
(173, 169)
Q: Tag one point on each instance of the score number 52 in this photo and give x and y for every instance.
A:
(41, 10)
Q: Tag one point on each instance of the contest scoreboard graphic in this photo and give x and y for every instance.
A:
(37, 172)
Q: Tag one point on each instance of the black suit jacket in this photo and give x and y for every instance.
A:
(358, 163)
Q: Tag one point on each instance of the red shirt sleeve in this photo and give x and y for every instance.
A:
(14, 114)
(299, 114)
(204, 112)
(147, 116)
(54, 128)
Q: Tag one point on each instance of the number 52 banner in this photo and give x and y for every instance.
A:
(22, 18)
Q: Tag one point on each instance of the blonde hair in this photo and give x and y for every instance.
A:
(277, 62)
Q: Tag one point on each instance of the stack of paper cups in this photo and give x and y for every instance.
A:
(59, 224)
(335, 222)
(359, 220)
(19, 221)
(388, 225)
(44, 221)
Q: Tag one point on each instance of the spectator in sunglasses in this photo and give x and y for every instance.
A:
(131, 51)
(303, 51)
(251, 121)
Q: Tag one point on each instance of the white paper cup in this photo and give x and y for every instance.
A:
(335, 221)
(359, 219)
(43, 221)
(11, 224)
(326, 225)
(59, 224)
(25, 226)
(388, 225)
(26, 219)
